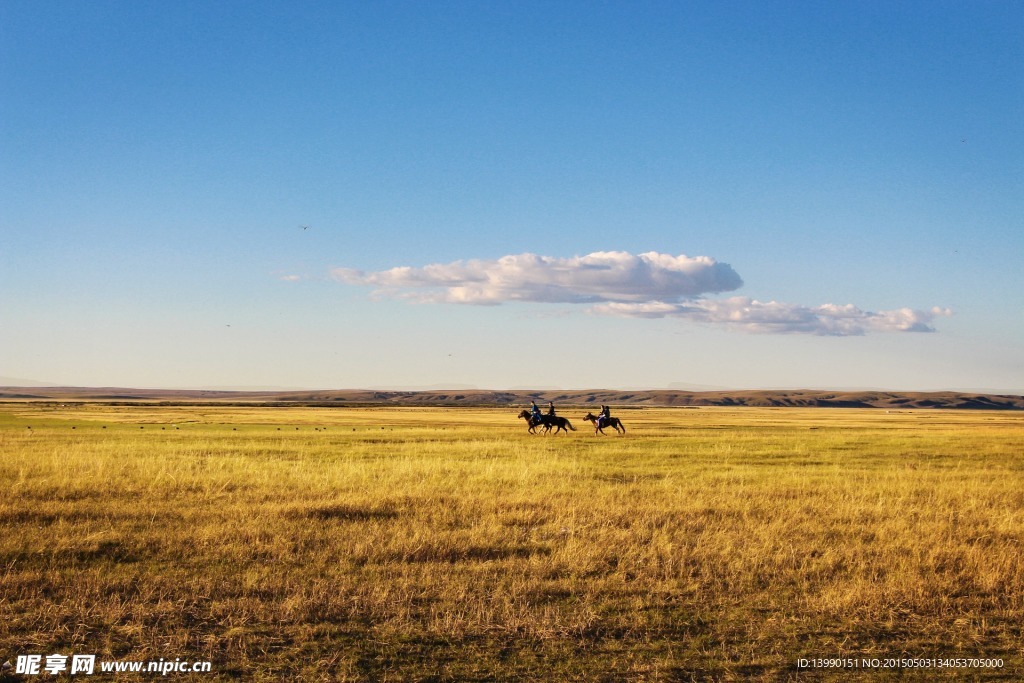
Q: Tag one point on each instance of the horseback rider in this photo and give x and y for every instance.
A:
(604, 416)
(535, 413)
(551, 409)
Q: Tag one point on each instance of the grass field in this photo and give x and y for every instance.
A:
(449, 545)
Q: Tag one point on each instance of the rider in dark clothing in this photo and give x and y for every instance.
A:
(551, 409)
(603, 416)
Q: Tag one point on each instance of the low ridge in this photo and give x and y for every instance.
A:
(891, 400)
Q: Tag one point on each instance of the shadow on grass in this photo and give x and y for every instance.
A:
(471, 553)
(343, 512)
(87, 553)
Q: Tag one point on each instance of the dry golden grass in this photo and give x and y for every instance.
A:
(434, 545)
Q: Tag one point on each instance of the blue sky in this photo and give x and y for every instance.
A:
(158, 162)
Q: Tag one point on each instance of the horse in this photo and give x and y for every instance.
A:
(609, 422)
(531, 424)
(560, 424)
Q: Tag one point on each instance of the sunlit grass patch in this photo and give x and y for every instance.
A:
(311, 544)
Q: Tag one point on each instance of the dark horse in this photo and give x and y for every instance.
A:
(609, 422)
(547, 421)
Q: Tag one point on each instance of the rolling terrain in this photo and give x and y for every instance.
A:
(799, 398)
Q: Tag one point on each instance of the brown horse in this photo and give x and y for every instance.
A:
(609, 422)
(547, 421)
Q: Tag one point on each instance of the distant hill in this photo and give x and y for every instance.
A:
(478, 397)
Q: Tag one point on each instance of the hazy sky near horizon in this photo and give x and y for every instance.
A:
(528, 194)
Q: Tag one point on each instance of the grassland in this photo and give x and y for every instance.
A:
(449, 545)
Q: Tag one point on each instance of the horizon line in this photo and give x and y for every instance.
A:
(695, 388)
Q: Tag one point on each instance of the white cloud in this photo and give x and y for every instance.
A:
(751, 315)
(611, 276)
(618, 283)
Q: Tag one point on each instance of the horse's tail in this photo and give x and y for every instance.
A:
(570, 425)
(623, 426)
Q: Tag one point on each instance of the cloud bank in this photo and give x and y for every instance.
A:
(606, 276)
(617, 283)
(749, 315)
